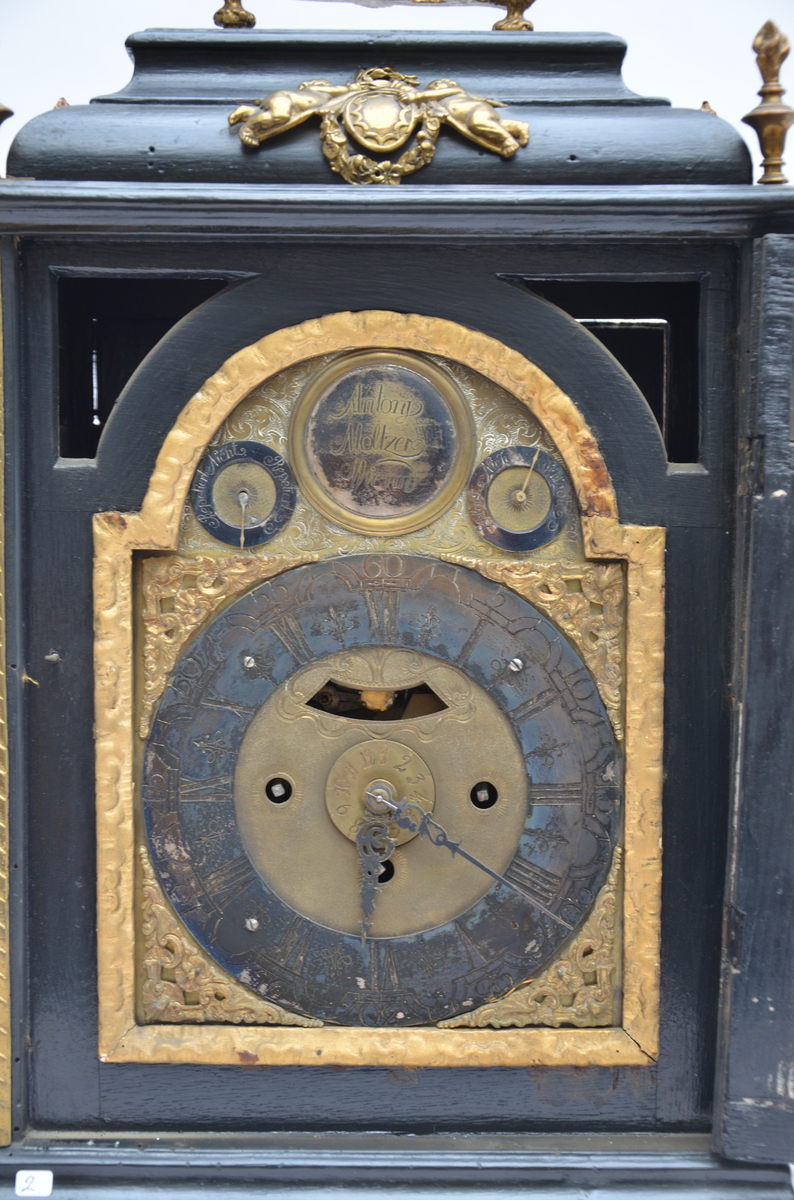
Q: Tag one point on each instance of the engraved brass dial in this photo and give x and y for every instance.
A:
(305, 849)
(370, 770)
(243, 493)
(508, 787)
(520, 498)
(382, 441)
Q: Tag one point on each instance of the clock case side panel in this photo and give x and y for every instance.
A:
(156, 527)
(754, 1117)
(6, 1053)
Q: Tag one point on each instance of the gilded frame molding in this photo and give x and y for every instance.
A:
(156, 527)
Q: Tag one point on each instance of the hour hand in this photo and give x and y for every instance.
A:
(374, 846)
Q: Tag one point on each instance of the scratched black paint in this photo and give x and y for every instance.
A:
(564, 851)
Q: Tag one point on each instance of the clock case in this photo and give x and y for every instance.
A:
(482, 256)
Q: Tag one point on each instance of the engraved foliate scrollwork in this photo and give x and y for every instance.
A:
(179, 593)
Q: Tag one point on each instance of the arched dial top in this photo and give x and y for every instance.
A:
(488, 721)
(520, 498)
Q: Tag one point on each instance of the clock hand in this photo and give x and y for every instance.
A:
(425, 826)
(374, 846)
(520, 497)
(242, 499)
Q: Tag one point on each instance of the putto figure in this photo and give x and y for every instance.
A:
(380, 110)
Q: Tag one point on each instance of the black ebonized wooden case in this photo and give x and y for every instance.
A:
(471, 244)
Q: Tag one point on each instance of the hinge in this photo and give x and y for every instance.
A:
(751, 466)
(732, 929)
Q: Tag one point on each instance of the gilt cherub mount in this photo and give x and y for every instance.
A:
(380, 110)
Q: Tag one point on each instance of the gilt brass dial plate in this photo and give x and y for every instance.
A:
(382, 441)
(311, 861)
(522, 719)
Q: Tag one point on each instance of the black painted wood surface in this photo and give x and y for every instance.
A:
(755, 1099)
(170, 122)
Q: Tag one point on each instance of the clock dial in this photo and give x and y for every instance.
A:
(434, 760)
(243, 493)
(403, 692)
(520, 498)
(382, 441)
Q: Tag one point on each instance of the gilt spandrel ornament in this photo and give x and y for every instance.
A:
(380, 111)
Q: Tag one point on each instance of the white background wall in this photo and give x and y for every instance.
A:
(686, 50)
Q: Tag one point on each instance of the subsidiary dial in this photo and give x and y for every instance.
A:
(243, 493)
(519, 498)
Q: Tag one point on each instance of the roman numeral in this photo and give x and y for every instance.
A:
(382, 609)
(389, 973)
(472, 640)
(474, 953)
(374, 972)
(537, 704)
(289, 632)
(217, 702)
(535, 883)
(555, 793)
(293, 946)
(226, 882)
(205, 791)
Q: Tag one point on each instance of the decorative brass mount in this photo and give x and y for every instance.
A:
(771, 119)
(514, 19)
(234, 16)
(380, 109)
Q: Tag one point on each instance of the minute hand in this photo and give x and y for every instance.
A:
(425, 826)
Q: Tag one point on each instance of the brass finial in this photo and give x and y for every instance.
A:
(771, 118)
(514, 18)
(234, 16)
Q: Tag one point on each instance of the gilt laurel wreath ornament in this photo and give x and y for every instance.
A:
(380, 110)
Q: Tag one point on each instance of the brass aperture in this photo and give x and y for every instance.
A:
(304, 847)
